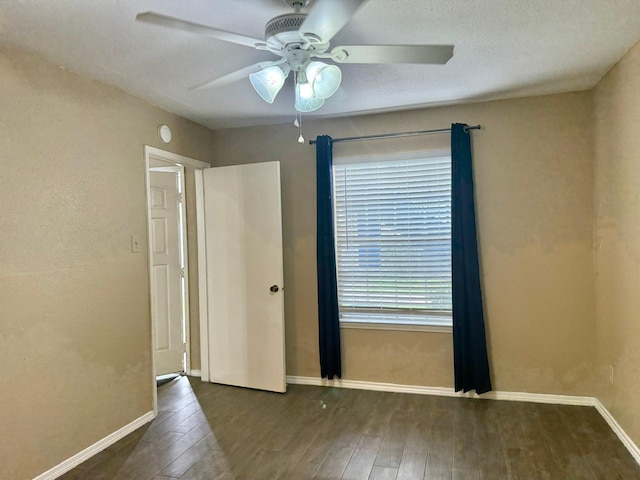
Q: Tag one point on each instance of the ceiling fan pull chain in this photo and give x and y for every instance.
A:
(299, 119)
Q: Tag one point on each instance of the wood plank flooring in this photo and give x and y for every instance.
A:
(207, 432)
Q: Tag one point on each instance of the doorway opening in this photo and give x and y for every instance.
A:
(168, 245)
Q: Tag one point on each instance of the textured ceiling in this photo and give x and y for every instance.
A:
(503, 48)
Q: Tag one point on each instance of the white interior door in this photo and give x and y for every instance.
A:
(244, 276)
(166, 295)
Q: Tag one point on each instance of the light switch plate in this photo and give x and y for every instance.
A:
(135, 244)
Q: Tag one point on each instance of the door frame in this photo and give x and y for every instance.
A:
(170, 159)
(202, 278)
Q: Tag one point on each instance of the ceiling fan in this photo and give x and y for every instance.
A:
(298, 39)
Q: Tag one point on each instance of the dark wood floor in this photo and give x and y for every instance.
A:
(206, 431)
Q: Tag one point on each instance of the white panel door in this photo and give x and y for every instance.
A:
(244, 276)
(166, 295)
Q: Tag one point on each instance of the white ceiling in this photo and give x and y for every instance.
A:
(503, 48)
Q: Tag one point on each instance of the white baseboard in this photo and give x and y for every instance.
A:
(449, 392)
(615, 426)
(97, 447)
(443, 391)
(195, 373)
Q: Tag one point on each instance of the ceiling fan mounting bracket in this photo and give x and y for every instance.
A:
(339, 54)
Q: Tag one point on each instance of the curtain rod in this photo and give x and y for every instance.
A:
(396, 135)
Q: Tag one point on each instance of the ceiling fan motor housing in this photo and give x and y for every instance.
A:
(284, 27)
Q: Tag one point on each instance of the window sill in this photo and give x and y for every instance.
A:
(401, 327)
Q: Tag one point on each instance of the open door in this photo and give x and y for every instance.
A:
(167, 282)
(244, 276)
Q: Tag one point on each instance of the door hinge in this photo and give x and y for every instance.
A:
(182, 272)
(184, 348)
(180, 198)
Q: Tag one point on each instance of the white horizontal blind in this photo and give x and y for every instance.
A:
(393, 241)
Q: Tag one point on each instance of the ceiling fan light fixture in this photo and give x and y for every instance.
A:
(324, 79)
(268, 82)
(306, 101)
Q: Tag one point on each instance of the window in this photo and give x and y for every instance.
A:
(393, 242)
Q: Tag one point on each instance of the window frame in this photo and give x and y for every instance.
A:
(435, 326)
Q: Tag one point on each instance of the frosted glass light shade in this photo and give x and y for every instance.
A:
(324, 79)
(268, 82)
(306, 101)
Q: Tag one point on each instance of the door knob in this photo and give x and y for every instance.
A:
(274, 288)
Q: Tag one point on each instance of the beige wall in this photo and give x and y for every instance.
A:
(617, 147)
(535, 188)
(74, 301)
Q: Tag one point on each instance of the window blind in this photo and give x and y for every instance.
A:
(393, 240)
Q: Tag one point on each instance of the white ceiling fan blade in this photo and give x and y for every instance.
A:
(426, 54)
(327, 17)
(170, 22)
(233, 76)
